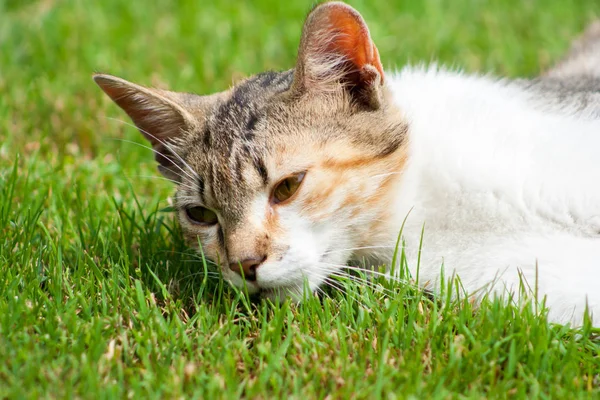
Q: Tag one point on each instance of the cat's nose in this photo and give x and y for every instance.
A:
(248, 267)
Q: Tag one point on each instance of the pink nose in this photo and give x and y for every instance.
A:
(247, 268)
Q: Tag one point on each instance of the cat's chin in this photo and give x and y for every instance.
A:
(279, 295)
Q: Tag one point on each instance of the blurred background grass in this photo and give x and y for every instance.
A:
(76, 248)
(49, 49)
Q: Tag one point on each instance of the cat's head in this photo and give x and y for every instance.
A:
(283, 176)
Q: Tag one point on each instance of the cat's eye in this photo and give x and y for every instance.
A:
(202, 215)
(286, 188)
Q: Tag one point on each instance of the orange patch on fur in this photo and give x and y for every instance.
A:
(351, 199)
(353, 162)
(339, 164)
(318, 197)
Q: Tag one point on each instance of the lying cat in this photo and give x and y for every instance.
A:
(287, 177)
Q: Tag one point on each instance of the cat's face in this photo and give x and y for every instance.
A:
(281, 178)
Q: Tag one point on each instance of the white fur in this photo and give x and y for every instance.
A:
(507, 190)
(502, 187)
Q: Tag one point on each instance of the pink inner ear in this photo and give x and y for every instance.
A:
(353, 40)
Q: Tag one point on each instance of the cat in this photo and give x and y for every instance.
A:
(287, 177)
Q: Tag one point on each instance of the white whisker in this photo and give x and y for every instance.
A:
(161, 178)
(371, 284)
(168, 146)
(159, 153)
(359, 248)
(367, 271)
(365, 282)
(337, 285)
(385, 174)
(209, 274)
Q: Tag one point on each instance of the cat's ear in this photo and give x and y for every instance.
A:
(158, 114)
(336, 51)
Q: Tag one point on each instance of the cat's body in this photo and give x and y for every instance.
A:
(505, 189)
(288, 176)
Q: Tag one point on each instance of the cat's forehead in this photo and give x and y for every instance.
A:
(254, 129)
(233, 121)
(229, 152)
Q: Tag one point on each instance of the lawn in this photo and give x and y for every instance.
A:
(99, 297)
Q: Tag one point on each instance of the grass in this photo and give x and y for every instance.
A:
(99, 298)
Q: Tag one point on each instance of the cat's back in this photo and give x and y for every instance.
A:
(485, 145)
(583, 59)
(502, 185)
(573, 85)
